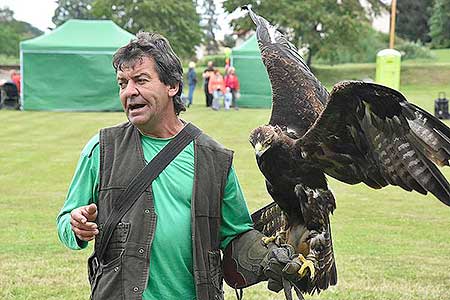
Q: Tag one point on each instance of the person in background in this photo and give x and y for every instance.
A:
(192, 81)
(15, 78)
(206, 74)
(232, 82)
(216, 87)
(227, 98)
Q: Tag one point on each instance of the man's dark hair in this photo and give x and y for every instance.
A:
(167, 63)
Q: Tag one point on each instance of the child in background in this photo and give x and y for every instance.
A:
(227, 98)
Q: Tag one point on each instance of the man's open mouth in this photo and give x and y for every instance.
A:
(135, 106)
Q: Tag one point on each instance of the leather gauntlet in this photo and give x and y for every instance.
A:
(247, 261)
(244, 260)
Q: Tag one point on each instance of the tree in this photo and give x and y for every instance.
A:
(9, 41)
(12, 32)
(176, 20)
(6, 15)
(229, 40)
(412, 20)
(440, 24)
(209, 18)
(322, 26)
(72, 9)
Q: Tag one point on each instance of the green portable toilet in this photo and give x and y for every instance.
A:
(255, 86)
(388, 68)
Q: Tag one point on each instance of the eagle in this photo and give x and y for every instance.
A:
(359, 133)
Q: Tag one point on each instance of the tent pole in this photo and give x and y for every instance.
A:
(21, 79)
(392, 29)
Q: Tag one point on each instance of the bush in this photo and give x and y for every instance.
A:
(369, 44)
(413, 50)
(218, 60)
(9, 60)
(365, 50)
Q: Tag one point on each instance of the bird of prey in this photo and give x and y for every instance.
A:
(359, 133)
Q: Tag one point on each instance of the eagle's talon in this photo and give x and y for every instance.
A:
(306, 264)
(279, 238)
(268, 239)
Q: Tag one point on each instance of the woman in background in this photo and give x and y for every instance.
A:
(216, 86)
(232, 82)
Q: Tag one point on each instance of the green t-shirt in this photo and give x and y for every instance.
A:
(170, 275)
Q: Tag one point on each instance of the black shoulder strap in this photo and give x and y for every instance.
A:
(143, 179)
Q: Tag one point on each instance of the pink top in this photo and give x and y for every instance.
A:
(232, 82)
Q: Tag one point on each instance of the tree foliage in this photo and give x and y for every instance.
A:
(13, 31)
(176, 20)
(72, 9)
(322, 26)
(412, 20)
(440, 24)
(209, 25)
(229, 41)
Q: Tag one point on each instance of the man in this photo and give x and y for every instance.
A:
(167, 246)
(192, 81)
(207, 73)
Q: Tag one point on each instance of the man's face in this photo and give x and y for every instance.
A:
(145, 99)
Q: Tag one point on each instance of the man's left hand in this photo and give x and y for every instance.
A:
(282, 262)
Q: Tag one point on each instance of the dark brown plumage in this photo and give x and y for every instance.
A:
(361, 132)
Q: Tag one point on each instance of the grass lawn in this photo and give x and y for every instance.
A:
(389, 244)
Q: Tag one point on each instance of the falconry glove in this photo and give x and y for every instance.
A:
(248, 260)
(281, 267)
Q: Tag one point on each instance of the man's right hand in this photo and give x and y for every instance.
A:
(82, 221)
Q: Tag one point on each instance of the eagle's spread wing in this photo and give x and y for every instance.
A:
(370, 133)
(297, 95)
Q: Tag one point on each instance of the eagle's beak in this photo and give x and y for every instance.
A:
(260, 149)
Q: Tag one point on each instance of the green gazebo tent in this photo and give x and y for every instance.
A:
(70, 68)
(255, 85)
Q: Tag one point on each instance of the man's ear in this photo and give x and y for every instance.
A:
(173, 89)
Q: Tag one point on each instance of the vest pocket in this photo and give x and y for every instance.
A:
(108, 283)
(216, 273)
(105, 277)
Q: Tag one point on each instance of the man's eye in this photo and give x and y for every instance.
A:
(122, 85)
(141, 81)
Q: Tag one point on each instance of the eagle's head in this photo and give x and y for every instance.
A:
(263, 137)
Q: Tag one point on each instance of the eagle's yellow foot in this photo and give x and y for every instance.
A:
(279, 238)
(268, 239)
(306, 264)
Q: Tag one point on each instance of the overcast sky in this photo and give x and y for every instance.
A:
(39, 13)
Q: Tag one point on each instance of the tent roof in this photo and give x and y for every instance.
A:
(249, 46)
(81, 35)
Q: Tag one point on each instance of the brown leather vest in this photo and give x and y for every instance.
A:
(123, 274)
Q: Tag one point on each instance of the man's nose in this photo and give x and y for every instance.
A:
(131, 89)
